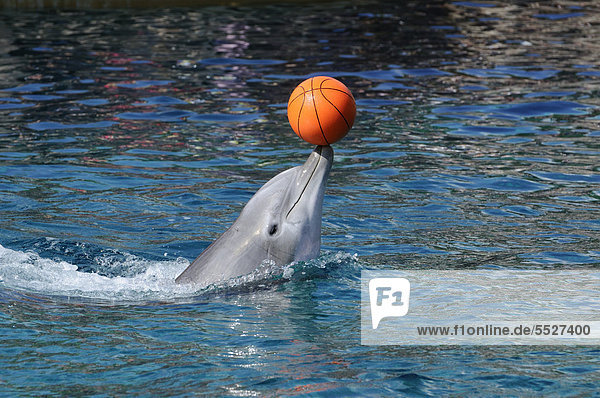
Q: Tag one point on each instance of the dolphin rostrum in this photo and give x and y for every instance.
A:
(280, 223)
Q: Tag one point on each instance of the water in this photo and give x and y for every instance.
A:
(130, 139)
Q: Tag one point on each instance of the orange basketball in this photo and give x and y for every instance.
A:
(321, 110)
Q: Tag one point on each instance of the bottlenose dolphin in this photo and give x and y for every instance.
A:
(280, 223)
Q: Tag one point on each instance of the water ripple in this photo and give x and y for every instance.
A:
(42, 126)
(564, 177)
(512, 71)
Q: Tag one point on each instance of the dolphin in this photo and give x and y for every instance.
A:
(280, 223)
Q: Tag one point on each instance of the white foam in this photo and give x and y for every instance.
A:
(152, 280)
(30, 272)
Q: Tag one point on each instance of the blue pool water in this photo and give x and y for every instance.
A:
(130, 139)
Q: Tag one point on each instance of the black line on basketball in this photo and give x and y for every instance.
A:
(296, 97)
(322, 88)
(336, 108)
(338, 90)
(316, 112)
(300, 111)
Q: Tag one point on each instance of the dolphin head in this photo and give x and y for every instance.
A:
(285, 214)
(280, 223)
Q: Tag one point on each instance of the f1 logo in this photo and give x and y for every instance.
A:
(389, 297)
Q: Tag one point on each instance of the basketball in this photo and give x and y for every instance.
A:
(321, 110)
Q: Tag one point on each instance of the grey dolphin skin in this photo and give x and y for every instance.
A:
(281, 222)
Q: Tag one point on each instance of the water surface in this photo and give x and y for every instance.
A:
(129, 140)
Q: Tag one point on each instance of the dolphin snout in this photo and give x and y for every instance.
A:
(325, 151)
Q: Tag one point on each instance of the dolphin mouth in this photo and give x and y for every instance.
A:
(312, 175)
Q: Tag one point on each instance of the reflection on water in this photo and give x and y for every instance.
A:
(136, 136)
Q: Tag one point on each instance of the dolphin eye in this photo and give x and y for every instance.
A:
(273, 229)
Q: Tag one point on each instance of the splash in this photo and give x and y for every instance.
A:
(28, 271)
(269, 273)
(126, 278)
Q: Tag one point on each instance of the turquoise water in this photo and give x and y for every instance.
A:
(130, 139)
